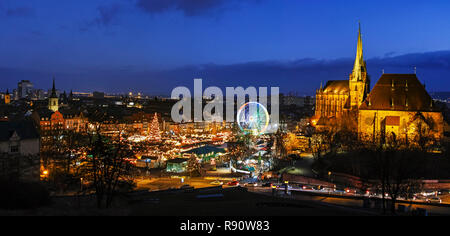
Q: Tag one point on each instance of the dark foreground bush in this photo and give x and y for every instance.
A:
(21, 195)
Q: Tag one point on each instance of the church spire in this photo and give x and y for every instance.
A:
(53, 101)
(359, 60)
(53, 95)
(359, 81)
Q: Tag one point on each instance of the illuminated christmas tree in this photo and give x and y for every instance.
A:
(155, 134)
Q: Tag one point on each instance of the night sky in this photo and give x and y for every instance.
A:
(152, 46)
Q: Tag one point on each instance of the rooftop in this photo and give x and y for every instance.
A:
(337, 86)
(400, 92)
(25, 129)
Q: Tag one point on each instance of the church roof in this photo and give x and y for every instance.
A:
(69, 112)
(400, 92)
(337, 86)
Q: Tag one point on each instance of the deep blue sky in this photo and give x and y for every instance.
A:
(152, 46)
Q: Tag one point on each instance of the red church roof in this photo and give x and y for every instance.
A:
(399, 92)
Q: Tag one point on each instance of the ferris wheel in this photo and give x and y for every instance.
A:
(253, 118)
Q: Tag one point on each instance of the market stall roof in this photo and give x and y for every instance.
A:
(177, 160)
(206, 150)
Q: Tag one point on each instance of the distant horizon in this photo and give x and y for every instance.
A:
(394, 65)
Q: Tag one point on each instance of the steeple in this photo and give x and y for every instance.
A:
(53, 101)
(53, 95)
(360, 65)
(359, 80)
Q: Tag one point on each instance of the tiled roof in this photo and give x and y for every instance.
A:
(25, 129)
(44, 112)
(399, 92)
(68, 112)
(337, 86)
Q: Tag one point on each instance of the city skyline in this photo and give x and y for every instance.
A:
(245, 110)
(123, 46)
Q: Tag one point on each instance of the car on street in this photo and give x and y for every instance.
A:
(283, 186)
(307, 188)
(434, 200)
(328, 190)
(420, 198)
(253, 184)
(350, 191)
(217, 182)
(266, 185)
(233, 183)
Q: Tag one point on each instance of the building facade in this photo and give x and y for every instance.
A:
(397, 109)
(24, 89)
(19, 151)
(340, 96)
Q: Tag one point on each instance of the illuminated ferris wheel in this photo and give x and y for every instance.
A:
(253, 118)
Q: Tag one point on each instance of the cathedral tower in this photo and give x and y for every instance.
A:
(53, 101)
(359, 84)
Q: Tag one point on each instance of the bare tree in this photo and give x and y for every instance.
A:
(397, 172)
(108, 168)
(280, 146)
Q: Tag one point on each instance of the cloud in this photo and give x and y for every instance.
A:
(389, 54)
(430, 60)
(107, 15)
(190, 7)
(20, 12)
(303, 75)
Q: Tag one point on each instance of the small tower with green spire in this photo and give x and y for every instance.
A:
(53, 101)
